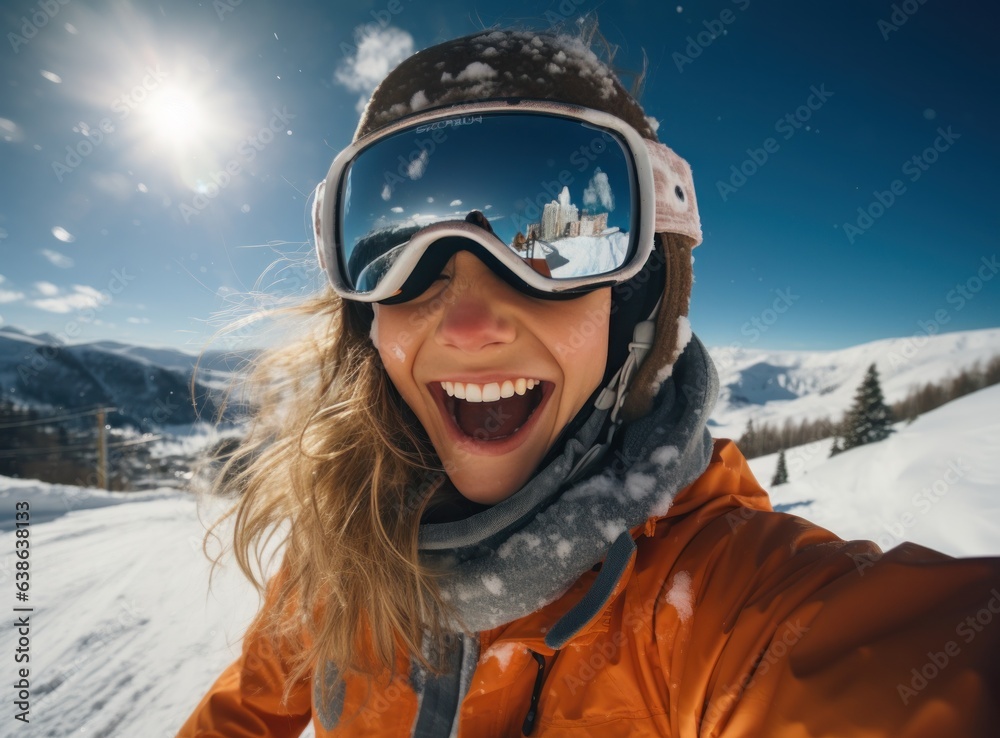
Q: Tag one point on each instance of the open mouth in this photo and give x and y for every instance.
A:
(494, 411)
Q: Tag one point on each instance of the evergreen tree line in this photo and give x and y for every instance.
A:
(856, 428)
(930, 396)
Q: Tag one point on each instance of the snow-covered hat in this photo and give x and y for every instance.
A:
(524, 64)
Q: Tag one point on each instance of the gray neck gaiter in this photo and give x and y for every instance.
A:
(525, 552)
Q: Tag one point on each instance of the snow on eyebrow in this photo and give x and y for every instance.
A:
(681, 596)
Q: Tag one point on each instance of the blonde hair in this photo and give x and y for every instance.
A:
(333, 452)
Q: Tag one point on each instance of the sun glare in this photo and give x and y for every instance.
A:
(174, 116)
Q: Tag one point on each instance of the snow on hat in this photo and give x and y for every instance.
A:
(524, 64)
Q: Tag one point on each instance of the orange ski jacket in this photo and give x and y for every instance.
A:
(729, 620)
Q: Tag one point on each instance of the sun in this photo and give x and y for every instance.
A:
(174, 116)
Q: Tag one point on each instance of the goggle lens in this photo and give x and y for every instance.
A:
(560, 193)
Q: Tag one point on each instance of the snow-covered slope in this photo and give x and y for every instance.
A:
(125, 635)
(770, 386)
(935, 481)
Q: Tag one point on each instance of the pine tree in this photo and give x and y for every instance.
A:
(781, 473)
(748, 442)
(869, 418)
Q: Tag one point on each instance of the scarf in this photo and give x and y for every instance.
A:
(526, 551)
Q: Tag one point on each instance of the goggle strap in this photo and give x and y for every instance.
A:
(638, 347)
(614, 393)
(676, 204)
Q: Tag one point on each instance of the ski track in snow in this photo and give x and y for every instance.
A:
(126, 638)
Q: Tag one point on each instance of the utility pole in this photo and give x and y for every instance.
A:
(102, 452)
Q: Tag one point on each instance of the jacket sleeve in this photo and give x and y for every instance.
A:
(245, 701)
(814, 636)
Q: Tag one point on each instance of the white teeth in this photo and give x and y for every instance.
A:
(491, 392)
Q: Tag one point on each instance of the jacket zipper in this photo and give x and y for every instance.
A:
(529, 719)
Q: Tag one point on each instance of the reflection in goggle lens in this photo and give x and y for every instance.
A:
(556, 191)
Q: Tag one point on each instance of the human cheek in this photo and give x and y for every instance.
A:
(392, 339)
(581, 331)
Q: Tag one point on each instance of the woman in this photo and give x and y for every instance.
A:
(505, 512)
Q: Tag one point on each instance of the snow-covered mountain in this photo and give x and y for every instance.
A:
(150, 387)
(770, 386)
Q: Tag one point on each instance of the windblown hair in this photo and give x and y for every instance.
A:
(334, 453)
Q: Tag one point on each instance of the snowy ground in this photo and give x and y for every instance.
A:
(935, 481)
(125, 637)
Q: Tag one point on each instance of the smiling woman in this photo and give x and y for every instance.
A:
(505, 512)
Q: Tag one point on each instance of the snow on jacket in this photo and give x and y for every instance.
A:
(729, 620)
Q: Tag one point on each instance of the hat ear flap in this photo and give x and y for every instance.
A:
(672, 328)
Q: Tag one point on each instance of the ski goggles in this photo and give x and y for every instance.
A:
(555, 198)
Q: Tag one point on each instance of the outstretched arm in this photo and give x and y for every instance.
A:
(245, 701)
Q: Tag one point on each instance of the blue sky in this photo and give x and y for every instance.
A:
(116, 115)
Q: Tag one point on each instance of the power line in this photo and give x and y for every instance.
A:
(9, 453)
(42, 421)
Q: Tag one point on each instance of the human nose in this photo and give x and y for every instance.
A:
(480, 316)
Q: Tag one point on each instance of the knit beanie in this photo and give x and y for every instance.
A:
(528, 65)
